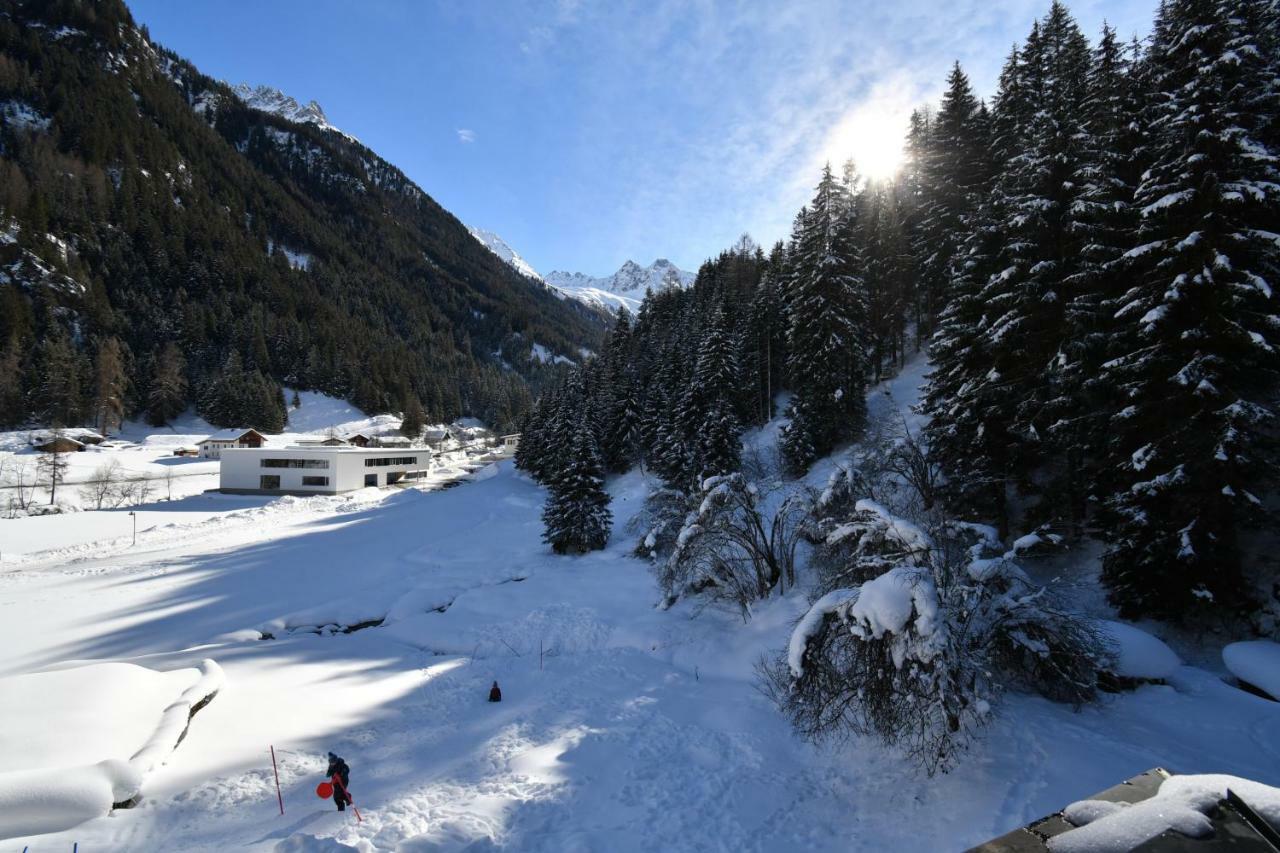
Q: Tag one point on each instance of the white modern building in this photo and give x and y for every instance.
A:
(318, 470)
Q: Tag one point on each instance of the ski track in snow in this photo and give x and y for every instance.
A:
(640, 730)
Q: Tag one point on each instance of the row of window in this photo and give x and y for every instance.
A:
(384, 461)
(271, 482)
(295, 463)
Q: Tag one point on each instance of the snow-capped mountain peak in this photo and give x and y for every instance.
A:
(502, 249)
(270, 100)
(624, 289)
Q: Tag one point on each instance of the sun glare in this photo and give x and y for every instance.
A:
(873, 132)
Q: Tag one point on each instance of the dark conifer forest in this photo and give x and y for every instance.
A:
(218, 253)
(1087, 256)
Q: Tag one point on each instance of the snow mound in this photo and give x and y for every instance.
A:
(1139, 654)
(65, 731)
(303, 843)
(1180, 805)
(1257, 662)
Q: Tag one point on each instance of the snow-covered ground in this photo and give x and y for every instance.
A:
(622, 726)
(142, 451)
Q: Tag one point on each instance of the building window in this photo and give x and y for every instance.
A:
(371, 479)
(384, 461)
(315, 481)
(269, 482)
(296, 463)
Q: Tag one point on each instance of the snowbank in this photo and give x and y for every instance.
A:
(1256, 662)
(1139, 654)
(303, 843)
(1180, 805)
(33, 802)
(64, 731)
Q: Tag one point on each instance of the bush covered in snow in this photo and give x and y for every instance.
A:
(921, 628)
(732, 545)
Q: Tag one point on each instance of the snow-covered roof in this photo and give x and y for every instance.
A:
(229, 434)
(80, 434)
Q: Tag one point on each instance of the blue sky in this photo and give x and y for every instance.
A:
(588, 132)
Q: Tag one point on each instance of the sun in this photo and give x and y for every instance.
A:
(872, 134)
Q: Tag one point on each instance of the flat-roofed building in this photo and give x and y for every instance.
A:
(317, 469)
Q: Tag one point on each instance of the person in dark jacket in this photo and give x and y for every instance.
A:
(339, 772)
(495, 695)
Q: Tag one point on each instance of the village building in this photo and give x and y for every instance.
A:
(60, 444)
(331, 441)
(360, 439)
(212, 447)
(187, 450)
(317, 469)
(80, 435)
(510, 443)
(436, 439)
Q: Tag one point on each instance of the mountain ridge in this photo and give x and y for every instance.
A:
(623, 289)
(147, 205)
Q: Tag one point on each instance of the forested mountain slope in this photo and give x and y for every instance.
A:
(161, 242)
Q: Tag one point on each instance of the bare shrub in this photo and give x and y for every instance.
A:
(733, 546)
(100, 486)
(922, 628)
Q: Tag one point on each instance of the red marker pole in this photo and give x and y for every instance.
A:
(276, 771)
(337, 780)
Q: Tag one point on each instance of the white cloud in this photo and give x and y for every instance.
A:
(466, 135)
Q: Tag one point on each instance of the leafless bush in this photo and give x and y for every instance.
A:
(732, 547)
(918, 650)
(101, 485)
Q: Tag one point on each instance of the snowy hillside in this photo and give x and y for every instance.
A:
(624, 289)
(270, 100)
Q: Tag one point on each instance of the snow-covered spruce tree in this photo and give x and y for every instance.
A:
(620, 403)
(952, 173)
(966, 440)
(1077, 405)
(1194, 426)
(576, 517)
(887, 277)
(1039, 235)
(762, 344)
(919, 654)
(715, 384)
(730, 547)
(827, 309)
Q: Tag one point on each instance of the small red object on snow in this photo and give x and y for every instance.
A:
(324, 790)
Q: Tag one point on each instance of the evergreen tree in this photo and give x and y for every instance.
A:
(167, 396)
(1039, 232)
(954, 171)
(109, 386)
(1194, 429)
(415, 419)
(576, 517)
(715, 381)
(827, 310)
(57, 395)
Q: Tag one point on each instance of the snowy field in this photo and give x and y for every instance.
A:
(623, 727)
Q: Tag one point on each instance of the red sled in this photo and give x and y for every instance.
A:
(324, 790)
